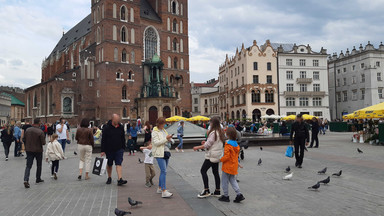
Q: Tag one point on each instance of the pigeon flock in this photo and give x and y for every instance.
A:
(131, 202)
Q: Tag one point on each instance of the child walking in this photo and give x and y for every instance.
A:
(131, 145)
(148, 162)
(54, 153)
(230, 166)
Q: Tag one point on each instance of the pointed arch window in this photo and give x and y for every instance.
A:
(124, 34)
(174, 25)
(151, 43)
(175, 62)
(174, 45)
(124, 56)
(123, 13)
(130, 75)
(124, 93)
(125, 114)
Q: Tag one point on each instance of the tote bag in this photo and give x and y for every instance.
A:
(289, 152)
(99, 166)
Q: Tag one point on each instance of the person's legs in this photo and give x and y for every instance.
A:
(180, 146)
(204, 168)
(152, 171)
(134, 144)
(16, 149)
(28, 167)
(301, 146)
(109, 171)
(39, 163)
(296, 146)
(118, 162)
(147, 173)
(88, 159)
(235, 185)
(81, 150)
(317, 141)
(52, 168)
(215, 171)
(224, 183)
(163, 171)
(57, 166)
(6, 149)
(312, 140)
(63, 142)
(119, 170)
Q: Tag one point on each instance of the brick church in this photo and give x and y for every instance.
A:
(129, 57)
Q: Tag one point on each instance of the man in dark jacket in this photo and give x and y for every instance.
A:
(301, 134)
(315, 132)
(113, 145)
(34, 141)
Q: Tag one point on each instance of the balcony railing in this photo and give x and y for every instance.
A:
(304, 80)
(308, 94)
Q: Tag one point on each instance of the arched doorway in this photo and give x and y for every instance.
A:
(153, 115)
(233, 115)
(177, 111)
(270, 112)
(166, 112)
(244, 114)
(256, 115)
(238, 114)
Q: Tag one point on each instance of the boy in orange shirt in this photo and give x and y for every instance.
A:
(230, 166)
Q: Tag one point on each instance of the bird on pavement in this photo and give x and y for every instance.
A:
(75, 153)
(288, 169)
(121, 212)
(325, 181)
(337, 174)
(259, 163)
(288, 177)
(133, 202)
(315, 187)
(323, 171)
(358, 150)
(140, 161)
(261, 148)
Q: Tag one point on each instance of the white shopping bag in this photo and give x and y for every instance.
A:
(100, 166)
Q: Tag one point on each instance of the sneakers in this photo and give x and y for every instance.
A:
(39, 181)
(159, 191)
(224, 198)
(121, 182)
(79, 177)
(204, 194)
(55, 176)
(182, 150)
(177, 149)
(239, 198)
(216, 194)
(148, 185)
(166, 194)
(26, 185)
(6, 159)
(109, 181)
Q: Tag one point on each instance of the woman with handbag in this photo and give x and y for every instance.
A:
(85, 144)
(7, 139)
(161, 145)
(214, 150)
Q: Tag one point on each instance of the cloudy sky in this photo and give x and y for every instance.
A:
(31, 28)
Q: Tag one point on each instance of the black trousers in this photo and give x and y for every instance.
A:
(299, 144)
(17, 149)
(315, 137)
(215, 170)
(6, 148)
(30, 157)
(55, 167)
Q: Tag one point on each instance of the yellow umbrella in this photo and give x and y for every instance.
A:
(289, 118)
(175, 119)
(349, 116)
(308, 117)
(377, 109)
(199, 118)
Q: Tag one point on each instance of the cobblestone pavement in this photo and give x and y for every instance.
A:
(66, 196)
(359, 191)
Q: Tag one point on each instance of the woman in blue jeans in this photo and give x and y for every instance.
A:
(180, 134)
(161, 144)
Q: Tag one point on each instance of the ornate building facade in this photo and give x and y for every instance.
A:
(129, 57)
(249, 83)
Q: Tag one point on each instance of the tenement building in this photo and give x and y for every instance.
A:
(200, 89)
(129, 57)
(248, 83)
(303, 80)
(356, 79)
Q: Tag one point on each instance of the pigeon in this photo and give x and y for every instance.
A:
(75, 153)
(337, 174)
(325, 181)
(288, 169)
(261, 148)
(133, 202)
(288, 177)
(140, 161)
(259, 163)
(121, 212)
(323, 171)
(358, 150)
(315, 187)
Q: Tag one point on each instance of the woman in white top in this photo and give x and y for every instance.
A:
(214, 150)
(161, 145)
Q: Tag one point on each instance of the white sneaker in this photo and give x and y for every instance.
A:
(166, 194)
(177, 149)
(182, 150)
(159, 191)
